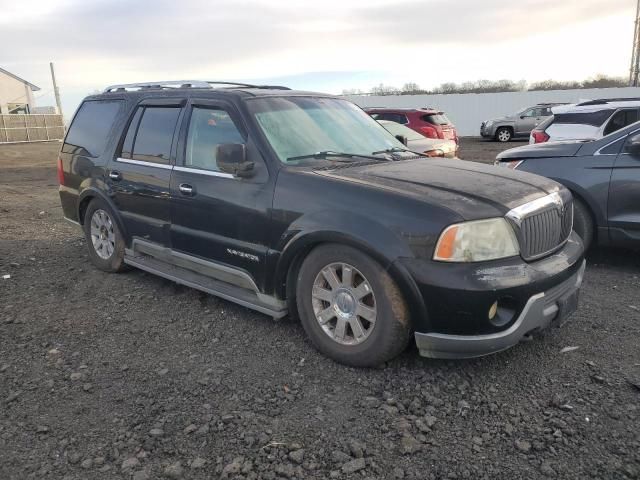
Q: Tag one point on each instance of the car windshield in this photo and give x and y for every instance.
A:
(301, 126)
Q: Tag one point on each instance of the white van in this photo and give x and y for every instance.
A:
(587, 120)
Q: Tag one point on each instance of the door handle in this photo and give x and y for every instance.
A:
(186, 189)
(115, 175)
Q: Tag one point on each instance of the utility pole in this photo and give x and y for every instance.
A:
(57, 92)
(635, 54)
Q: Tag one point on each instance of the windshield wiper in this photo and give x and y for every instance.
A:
(331, 154)
(391, 150)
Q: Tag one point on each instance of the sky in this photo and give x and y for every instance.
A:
(327, 45)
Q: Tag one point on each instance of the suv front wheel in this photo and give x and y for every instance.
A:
(503, 134)
(104, 240)
(350, 307)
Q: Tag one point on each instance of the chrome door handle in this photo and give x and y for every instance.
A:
(114, 175)
(186, 189)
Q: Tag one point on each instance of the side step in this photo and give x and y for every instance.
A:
(247, 298)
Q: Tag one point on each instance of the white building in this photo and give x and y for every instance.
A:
(16, 94)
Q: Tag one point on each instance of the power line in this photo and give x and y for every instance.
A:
(634, 71)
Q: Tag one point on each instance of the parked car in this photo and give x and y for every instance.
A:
(519, 124)
(286, 201)
(419, 143)
(603, 176)
(587, 120)
(426, 121)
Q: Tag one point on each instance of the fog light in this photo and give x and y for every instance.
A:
(493, 310)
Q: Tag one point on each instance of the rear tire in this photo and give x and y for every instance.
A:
(504, 134)
(349, 306)
(104, 239)
(583, 222)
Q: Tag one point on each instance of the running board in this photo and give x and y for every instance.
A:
(247, 298)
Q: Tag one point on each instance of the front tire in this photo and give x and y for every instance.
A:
(504, 134)
(583, 222)
(350, 307)
(104, 239)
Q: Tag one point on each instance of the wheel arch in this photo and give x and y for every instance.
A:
(91, 193)
(298, 249)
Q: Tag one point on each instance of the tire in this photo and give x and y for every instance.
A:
(107, 250)
(583, 222)
(504, 134)
(371, 294)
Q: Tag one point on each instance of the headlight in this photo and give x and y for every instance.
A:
(477, 241)
(488, 124)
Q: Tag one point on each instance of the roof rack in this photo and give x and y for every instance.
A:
(602, 101)
(124, 87)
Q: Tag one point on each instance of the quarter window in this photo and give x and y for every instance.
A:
(620, 120)
(208, 128)
(90, 129)
(151, 139)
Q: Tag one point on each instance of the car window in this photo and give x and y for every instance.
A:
(528, 113)
(208, 128)
(127, 146)
(613, 148)
(155, 134)
(90, 129)
(393, 117)
(595, 119)
(620, 120)
(436, 119)
(397, 129)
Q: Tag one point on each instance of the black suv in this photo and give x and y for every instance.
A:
(301, 203)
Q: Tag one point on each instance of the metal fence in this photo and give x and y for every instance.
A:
(31, 128)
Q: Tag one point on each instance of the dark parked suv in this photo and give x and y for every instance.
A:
(298, 202)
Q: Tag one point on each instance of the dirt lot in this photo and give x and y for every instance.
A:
(131, 376)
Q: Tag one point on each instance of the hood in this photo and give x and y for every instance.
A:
(472, 190)
(542, 150)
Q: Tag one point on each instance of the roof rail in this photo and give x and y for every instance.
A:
(184, 84)
(602, 101)
(157, 85)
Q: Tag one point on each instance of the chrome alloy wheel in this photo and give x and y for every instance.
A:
(102, 234)
(344, 303)
(504, 135)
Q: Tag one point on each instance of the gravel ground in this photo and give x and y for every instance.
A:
(131, 376)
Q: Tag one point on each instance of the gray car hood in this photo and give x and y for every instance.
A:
(542, 150)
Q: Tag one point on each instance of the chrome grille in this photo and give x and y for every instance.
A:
(543, 225)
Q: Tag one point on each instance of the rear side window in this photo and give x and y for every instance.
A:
(595, 119)
(89, 132)
(436, 119)
(150, 134)
(392, 117)
(620, 120)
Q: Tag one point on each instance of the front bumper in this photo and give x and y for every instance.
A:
(487, 132)
(552, 305)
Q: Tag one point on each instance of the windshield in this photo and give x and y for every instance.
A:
(299, 126)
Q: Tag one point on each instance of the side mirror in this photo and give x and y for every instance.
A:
(232, 158)
(522, 117)
(633, 145)
(402, 139)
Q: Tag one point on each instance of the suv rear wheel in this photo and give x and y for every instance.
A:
(503, 134)
(104, 240)
(350, 307)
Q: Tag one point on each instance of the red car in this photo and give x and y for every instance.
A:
(426, 121)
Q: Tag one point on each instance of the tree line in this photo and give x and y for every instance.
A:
(492, 86)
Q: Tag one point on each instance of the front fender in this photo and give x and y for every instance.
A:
(371, 237)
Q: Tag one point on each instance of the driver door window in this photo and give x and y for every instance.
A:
(620, 120)
(208, 128)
